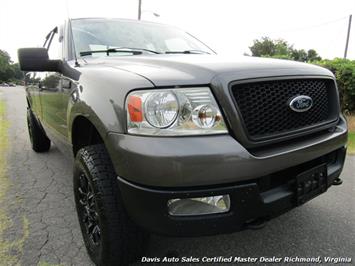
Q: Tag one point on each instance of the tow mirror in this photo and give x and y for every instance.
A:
(37, 59)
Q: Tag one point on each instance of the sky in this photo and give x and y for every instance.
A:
(227, 26)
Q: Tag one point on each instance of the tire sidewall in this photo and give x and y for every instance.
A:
(97, 254)
(30, 126)
(39, 140)
(121, 240)
(80, 166)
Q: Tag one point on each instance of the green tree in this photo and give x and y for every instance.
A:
(9, 70)
(344, 71)
(312, 55)
(263, 47)
(282, 49)
(266, 47)
(18, 74)
(5, 69)
(299, 55)
(5, 56)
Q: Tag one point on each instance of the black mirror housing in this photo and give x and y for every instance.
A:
(37, 59)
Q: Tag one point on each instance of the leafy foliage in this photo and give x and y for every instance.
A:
(344, 71)
(8, 70)
(266, 47)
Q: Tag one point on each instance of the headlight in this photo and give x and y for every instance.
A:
(172, 112)
(161, 109)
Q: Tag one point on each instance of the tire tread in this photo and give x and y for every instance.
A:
(122, 234)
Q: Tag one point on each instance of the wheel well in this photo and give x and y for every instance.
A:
(84, 133)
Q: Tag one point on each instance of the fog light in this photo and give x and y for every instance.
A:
(199, 206)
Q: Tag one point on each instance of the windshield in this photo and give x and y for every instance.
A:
(102, 34)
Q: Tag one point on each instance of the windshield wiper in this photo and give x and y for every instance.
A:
(137, 49)
(187, 52)
(134, 51)
(110, 50)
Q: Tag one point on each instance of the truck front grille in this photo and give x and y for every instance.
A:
(265, 112)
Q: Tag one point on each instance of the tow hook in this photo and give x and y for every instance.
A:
(337, 181)
(256, 224)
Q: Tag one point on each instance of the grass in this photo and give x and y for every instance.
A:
(351, 143)
(351, 123)
(351, 138)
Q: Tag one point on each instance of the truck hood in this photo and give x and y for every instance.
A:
(196, 69)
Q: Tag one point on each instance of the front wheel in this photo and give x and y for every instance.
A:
(109, 235)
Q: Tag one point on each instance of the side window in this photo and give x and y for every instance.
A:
(55, 50)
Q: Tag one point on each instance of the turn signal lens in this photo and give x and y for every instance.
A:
(134, 105)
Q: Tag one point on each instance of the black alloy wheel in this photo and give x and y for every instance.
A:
(88, 210)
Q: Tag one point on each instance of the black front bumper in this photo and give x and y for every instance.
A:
(259, 199)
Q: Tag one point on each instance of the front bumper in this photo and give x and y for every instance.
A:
(211, 160)
(260, 198)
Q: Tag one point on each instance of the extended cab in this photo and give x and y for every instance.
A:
(168, 137)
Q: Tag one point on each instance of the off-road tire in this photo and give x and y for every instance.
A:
(120, 241)
(39, 140)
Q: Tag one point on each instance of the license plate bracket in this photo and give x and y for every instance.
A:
(311, 183)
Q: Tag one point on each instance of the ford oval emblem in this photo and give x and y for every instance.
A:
(301, 103)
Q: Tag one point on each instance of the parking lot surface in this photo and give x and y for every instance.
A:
(38, 222)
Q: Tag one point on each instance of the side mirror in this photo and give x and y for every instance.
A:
(37, 59)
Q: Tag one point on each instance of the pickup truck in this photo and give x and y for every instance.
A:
(168, 137)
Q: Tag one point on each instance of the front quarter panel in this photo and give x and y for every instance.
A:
(100, 97)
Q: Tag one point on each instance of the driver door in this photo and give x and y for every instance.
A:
(51, 92)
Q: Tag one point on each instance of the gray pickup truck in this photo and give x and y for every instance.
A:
(168, 137)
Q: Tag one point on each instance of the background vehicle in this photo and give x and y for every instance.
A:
(168, 137)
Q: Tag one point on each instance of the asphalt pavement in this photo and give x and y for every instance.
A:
(38, 222)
